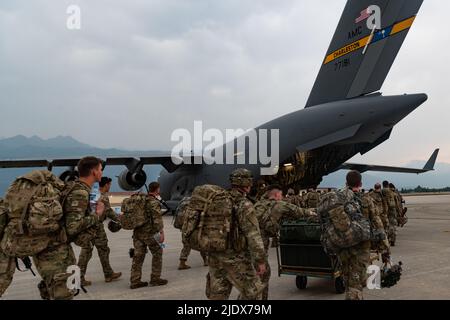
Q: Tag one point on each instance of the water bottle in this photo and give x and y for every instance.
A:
(94, 196)
(157, 237)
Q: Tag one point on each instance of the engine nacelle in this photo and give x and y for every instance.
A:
(132, 181)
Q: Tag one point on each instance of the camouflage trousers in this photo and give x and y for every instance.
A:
(7, 269)
(392, 233)
(187, 250)
(140, 249)
(232, 269)
(354, 271)
(52, 265)
(101, 243)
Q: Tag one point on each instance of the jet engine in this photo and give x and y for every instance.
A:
(132, 181)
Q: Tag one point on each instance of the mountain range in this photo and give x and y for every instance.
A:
(21, 147)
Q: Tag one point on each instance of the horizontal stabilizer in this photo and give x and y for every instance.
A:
(429, 166)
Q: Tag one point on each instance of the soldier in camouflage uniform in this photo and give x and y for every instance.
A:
(355, 260)
(270, 213)
(101, 240)
(312, 199)
(145, 237)
(391, 208)
(80, 221)
(234, 267)
(377, 197)
(399, 204)
(7, 265)
(186, 246)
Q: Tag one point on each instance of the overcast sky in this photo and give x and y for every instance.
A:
(139, 69)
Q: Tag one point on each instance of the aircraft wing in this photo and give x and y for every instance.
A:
(164, 160)
(429, 166)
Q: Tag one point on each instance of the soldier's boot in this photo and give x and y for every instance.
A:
(113, 276)
(183, 265)
(157, 281)
(138, 285)
(84, 282)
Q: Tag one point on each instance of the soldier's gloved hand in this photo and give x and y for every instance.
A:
(261, 269)
(100, 208)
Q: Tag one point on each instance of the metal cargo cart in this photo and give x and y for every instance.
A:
(300, 253)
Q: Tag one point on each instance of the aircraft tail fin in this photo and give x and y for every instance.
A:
(429, 166)
(364, 47)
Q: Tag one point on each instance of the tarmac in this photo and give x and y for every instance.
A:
(422, 246)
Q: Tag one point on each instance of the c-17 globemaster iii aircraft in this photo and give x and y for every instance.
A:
(344, 115)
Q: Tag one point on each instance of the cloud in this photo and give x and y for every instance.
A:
(138, 70)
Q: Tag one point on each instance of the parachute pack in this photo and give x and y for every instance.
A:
(133, 209)
(207, 225)
(34, 213)
(343, 225)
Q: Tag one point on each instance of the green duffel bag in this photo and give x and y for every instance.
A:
(300, 232)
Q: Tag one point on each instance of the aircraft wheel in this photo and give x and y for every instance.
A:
(301, 282)
(339, 285)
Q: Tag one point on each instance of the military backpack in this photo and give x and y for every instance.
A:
(134, 211)
(180, 213)
(34, 213)
(208, 223)
(3, 217)
(343, 224)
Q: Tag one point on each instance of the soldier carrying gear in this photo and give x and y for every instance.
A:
(149, 235)
(34, 227)
(391, 208)
(233, 266)
(100, 241)
(349, 218)
(270, 213)
(180, 216)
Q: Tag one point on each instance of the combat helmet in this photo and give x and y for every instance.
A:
(241, 178)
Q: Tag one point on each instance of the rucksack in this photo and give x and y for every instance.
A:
(342, 222)
(133, 209)
(34, 213)
(3, 217)
(180, 213)
(208, 222)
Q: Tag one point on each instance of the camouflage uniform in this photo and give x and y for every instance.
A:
(277, 211)
(312, 199)
(377, 197)
(399, 204)
(51, 264)
(354, 260)
(234, 267)
(391, 208)
(7, 265)
(187, 250)
(81, 223)
(100, 242)
(143, 238)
